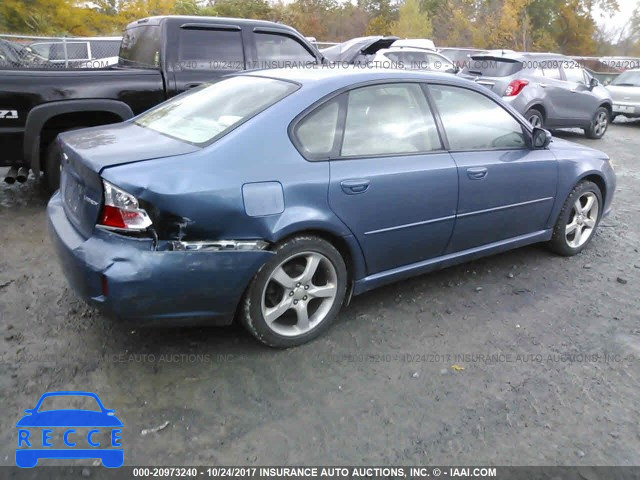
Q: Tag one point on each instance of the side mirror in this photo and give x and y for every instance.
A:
(540, 138)
(594, 82)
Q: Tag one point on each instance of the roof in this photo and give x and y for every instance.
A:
(334, 78)
(157, 20)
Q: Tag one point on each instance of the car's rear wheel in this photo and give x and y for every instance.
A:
(578, 219)
(297, 294)
(535, 117)
(599, 124)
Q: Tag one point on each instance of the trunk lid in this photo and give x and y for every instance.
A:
(86, 153)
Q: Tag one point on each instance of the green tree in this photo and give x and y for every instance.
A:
(412, 22)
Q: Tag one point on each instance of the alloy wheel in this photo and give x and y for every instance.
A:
(299, 293)
(535, 121)
(582, 220)
(601, 122)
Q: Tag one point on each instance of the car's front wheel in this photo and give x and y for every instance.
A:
(599, 124)
(297, 294)
(578, 219)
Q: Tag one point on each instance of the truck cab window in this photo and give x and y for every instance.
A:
(203, 49)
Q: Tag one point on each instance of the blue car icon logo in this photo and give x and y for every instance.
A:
(37, 438)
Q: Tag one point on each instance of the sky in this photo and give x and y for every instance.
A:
(619, 20)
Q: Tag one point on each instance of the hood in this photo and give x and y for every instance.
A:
(107, 146)
(565, 146)
(624, 94)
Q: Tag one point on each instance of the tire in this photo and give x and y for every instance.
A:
(599, 124)
(52, 164)
(294, 292)
(564, 241)
(52, 168)
(535, 117)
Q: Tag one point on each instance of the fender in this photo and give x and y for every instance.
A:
(39, 115)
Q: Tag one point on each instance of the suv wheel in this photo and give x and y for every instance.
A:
(297, 294)
(535, 118)
(599, 124)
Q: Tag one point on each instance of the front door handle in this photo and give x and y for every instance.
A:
(192, 85)
(354, 186)
(477, 173)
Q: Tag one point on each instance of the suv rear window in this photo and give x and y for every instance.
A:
(492, 66)
(203, 115)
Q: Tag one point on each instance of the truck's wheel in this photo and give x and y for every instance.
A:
(52, 167)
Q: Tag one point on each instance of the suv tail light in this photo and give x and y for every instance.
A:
(515, 87)
(121, 211)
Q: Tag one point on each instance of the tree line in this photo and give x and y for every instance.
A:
(566, 26)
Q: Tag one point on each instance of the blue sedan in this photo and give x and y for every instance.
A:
(272, 197)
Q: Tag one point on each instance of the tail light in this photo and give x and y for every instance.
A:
(515, 87)
(121, 211)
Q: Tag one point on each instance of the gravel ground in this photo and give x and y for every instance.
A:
(500, 361)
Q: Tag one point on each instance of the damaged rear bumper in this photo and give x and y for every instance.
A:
(127, 278)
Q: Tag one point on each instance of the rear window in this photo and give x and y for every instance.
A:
(492, 67)
(141, 46)
(204, 115)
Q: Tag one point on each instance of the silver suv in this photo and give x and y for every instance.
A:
(550, 90)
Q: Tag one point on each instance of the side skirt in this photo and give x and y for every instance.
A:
(425, 266)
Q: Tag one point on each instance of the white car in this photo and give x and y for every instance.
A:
(415, 43)
(625, 93)
(413, 59)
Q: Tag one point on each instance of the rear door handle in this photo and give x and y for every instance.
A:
(354, 186)
(477, 173)
(192, 85)
(543, 85)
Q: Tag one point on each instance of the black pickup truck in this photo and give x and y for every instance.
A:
(159, 57)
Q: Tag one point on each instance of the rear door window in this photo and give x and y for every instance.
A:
(391, 119)
(316, 133)
(209, 49)
(279, 51)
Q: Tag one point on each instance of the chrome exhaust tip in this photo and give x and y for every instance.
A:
(23, 174)
(10, 177)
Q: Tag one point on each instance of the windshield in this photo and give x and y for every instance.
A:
(628, 78)
(491, 66)
(141, 46)
(207, 113)
(69, 402)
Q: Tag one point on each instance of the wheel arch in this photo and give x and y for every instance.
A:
(599, 181)
(347, 246)
(79, 113)
(538, 106)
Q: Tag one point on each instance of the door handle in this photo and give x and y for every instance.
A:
(543, 85)
(477, 173)
(192, 85)
(352, 187)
